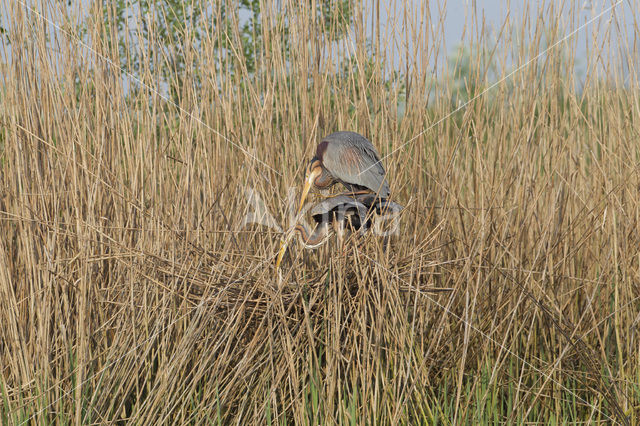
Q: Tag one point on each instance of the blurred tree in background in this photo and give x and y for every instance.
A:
(155, 35)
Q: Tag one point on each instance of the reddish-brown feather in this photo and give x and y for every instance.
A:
(351, 156)
(321, 148)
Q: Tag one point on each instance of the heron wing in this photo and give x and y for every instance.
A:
(381, 206)
(339, 204)
(353, 160)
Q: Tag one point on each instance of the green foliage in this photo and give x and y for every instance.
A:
(474, 69)
(3, 33)
(169, 28)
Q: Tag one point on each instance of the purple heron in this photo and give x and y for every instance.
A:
(348, 158)
(335, 213)
(339, 214)
(351, 159)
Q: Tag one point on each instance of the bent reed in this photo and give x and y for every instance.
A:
(136, 269)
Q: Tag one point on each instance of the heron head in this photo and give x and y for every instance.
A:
(315, 163)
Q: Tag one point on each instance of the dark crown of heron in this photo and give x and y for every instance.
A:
(316, 161)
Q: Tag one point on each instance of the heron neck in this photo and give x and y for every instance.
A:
(324, 180)
(315, 238)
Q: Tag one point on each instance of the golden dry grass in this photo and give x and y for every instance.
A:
(130, 291)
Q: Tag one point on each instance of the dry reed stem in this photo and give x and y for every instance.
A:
(130, 291)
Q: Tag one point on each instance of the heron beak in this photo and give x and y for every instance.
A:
(307, 186)
(284, 242)
(283, 249)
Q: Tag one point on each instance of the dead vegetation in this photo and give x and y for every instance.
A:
(129, 289)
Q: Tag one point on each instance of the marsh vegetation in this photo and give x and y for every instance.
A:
(132, 287)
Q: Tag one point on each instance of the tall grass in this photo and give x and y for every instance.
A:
(129, 291)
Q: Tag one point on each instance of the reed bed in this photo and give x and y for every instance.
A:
(137, 283)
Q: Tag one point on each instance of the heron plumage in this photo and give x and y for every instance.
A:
(353, 160)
